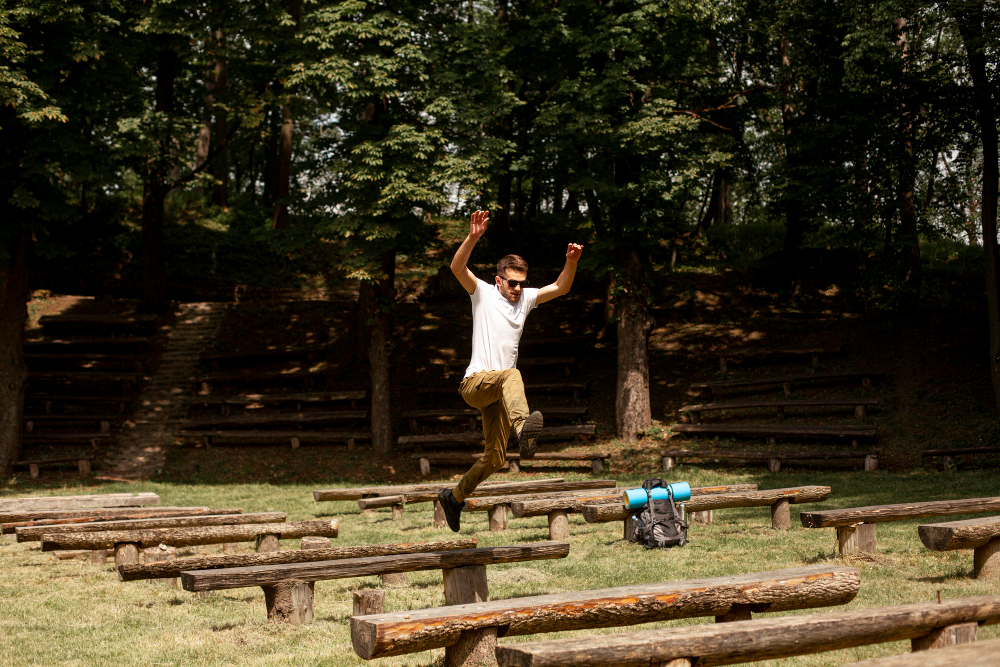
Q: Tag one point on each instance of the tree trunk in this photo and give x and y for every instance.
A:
(910, 251)
(14, 295)
(154, 272)
(285, 139)
(384, 298)
(794, 218)
(271, 159)
(970, 18)
(632, 409)
(220, 194)
(720, 206)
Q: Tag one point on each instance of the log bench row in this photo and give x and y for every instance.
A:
(739, 354)
(597, 460)
(83, 464)
(773, 458)
(249, 401)
(472, 416)
(927, 625)
(709, 389)
(860, 406)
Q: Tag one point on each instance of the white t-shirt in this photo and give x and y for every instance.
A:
(496, 327)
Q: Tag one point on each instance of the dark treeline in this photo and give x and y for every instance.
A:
(336, 133)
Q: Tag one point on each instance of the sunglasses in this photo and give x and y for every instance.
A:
(514, 283)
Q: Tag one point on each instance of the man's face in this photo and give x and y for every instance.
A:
(512, 295)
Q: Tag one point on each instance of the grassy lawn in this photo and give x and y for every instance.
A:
(75, 613)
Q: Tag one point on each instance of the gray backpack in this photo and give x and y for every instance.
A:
(658, 524)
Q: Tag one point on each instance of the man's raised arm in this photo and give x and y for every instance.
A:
(459, 264)
(565, 280)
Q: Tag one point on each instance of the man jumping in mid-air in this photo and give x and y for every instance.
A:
(492, 382)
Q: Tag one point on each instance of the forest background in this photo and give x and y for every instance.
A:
(156, 148)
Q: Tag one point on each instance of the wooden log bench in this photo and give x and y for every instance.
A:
(476, 437)
(59, 438)
(9, 521)
(463, 570)
(101, 422)
(974, 654)
(207, 382)
(558, 506)
(740, 354)
(293, 438)
(596, 459)
(947, 455)
(83, 464)
(98, 321)
(134, 360)
(49, 401)
(575, 388)
(128, 543)
(89, 343)
(980, 535)
(670, 457)
(856, 525)
(860, 406)
(397, 502)
(256, 401)
(471, 415)
(306, 353)
(709, 389)
(34, 533)
(36, 504)
(777, 499)
(128, 380)
(771, 432)
(299, 419)
(359, 492)
(925, 624)
(470, 629)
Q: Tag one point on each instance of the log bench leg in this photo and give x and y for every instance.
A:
(126, 553)
(677, 662)
(425, 467)
(397, 511)
(781, 516)
(871, 462)
(738, 612)
(859, 538)
(860, 412)
(83, 467)
(99, 556)
(439, 518)
(787, 386)
(161, 554)
(669, 463)
(370, 601)
(705, 517)
(33, 470)
(723, 367)
(986, 560)
(781, 413)
(558, 525)
(467, 585)
(513, 465)
(597, 466)
(774, 464)
(629, 527)
(498, 518)
(950, 635)
(289, 602)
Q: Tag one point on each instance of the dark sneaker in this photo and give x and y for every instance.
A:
(527, 438)
(452, 509)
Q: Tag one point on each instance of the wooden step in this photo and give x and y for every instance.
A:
(708, 389)
(771, 431)
(272, 420)
(861, 406)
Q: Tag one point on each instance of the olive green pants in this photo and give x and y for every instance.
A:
(499, 395)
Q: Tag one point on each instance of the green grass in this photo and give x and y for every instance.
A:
(75, 613)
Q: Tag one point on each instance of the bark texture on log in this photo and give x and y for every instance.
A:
(504, 496)
(34, 533)
(14, 296)
(13, 520)
(855, 539)
(133, 573)
(752, 641)
(780, 590)
(239, 577)
(986, 560)
(27, 505)
(915, 510)
(978, 654)
(600, 513)
(967, 534)
(382, 303)
(369, 601)
(960, 633)
(186, 537)
(567, 503)
(467, 585)
(415, 490)
(632, 409)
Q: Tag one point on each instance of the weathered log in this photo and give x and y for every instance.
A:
(174, 569)
(780, 590)
(602, 512)
(161, 554)
(967, 534)
(986, 560)
(977, 654)
(495, 488)
(526, 508)
(751, 641)
(468, 585)
(856, 539)
(852, 431)
(34, 533)
(185, 537)
(426, 496)
(78, 502)
(13, 520)
(368, 601)
(914, 510)
(240, 577)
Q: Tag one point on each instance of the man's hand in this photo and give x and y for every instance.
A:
(477, 226)
(573, 252)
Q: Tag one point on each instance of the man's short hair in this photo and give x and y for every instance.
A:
(515, 262)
